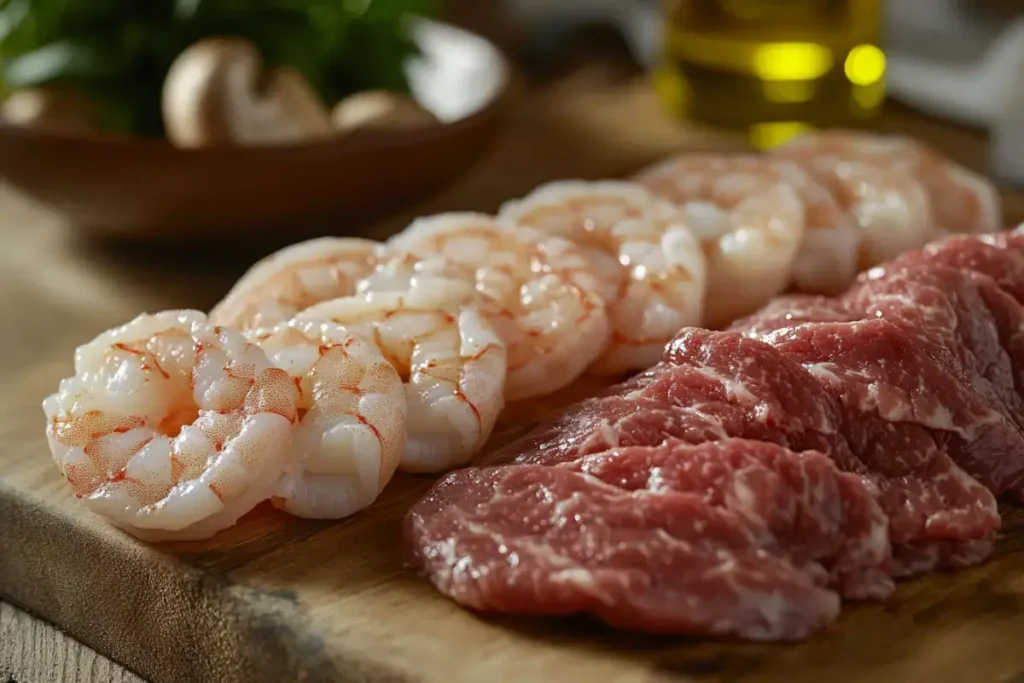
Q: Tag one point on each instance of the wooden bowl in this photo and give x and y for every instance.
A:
(148, 189)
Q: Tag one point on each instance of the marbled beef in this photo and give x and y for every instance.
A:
(899, 411)
(531, 539)
(817, 513)
(959, 319)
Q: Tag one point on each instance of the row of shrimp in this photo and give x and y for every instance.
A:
(811, 214)
(336, 362)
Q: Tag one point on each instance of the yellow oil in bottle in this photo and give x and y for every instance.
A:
(773, 68)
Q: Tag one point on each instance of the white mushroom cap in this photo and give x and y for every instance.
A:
(212, 95)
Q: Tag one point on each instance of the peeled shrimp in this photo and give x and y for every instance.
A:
(172, 428)
(294, 278)
(537, 291)
(453, 363)
(888, 204)
(826, 261)
(351, 434)
(960, 201)
(651, 264)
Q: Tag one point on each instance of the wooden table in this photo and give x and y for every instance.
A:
(592, 124)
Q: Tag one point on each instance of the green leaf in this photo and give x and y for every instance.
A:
(49, 64)
(185, 10)
(13, 16)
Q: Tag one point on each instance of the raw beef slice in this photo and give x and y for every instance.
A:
(860, 370)
(896, 410)
(712, 386)
(1003, 296)
(999, 256)
(817, 513)
(970, 324)
(959, 319)
(544, 540)
(937, 483)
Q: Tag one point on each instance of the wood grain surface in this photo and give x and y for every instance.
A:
(32, 651)
(281, 599)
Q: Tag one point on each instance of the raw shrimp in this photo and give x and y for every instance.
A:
(888, 204)
(172, 428)
(451, 359)
(960, 201)
(652, 265)
(826, 261)
(537, 291)
(351, 432)
(294, 278)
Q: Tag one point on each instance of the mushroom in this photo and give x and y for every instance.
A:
(379, 110)
(212, 95)
(49, 109)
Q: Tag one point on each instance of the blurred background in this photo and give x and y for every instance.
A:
(108, 61)
(163, 120)
(774, 67)
(154, 126)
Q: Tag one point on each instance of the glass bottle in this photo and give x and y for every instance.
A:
(773, 68)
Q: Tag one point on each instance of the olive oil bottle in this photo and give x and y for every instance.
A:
(773, 68)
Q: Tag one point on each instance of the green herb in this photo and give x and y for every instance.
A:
(117, 52)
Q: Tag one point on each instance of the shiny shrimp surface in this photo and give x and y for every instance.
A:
(651, 264)
(537, 291)
(890, 207)
(453, 364)
(172, 428)
(294, 278)
(960, 201)
(351, 433)
(826, 260)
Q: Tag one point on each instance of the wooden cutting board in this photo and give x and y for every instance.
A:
(281, 599)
